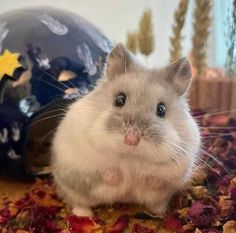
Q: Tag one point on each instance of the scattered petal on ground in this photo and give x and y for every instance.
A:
(207, 205)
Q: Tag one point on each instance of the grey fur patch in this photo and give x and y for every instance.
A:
(122, 122)
(81, 184)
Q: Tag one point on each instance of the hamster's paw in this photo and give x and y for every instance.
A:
(112, 176)
(159, 209)
(82, 211)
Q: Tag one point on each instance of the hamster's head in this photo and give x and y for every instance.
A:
(143, 113)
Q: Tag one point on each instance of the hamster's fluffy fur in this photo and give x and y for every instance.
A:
(92, 165)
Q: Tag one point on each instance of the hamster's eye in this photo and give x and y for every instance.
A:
(161, 110)
(120, 100)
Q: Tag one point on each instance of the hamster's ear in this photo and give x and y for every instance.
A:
(119, 61)
(179, 74)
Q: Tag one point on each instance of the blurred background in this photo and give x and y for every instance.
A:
(116, 17)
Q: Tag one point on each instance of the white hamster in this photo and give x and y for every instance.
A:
(132, 139)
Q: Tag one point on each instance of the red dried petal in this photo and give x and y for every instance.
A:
(173, 224)
(137, 228)
(51, 226)
(223, 185)
(81, 224)
(3, 220)
(5, 212)
(201, 214)
(232, 192)
(226, 206)
(41, 194)
(120, 225)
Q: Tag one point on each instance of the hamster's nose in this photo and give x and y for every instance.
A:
(132, 137)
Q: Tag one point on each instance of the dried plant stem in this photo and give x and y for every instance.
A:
(180, 13)
(145, 34)
(131, 41)
(201, 32)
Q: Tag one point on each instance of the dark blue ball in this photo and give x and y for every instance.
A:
(63, 56)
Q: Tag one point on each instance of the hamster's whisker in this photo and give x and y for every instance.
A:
(67, 87)
(46, 118)
(52, 111)
(215, 113)
(185, 145)
(212, 169)
(173, 155)
(179, 147)
(58, 88)
(216, 135)
(203, 161)
(219, 127)
(67, 80)
(46, 135)
(88, 110)
(200, 165)
(216, 160)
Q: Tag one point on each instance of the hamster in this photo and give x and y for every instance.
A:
(132, 139)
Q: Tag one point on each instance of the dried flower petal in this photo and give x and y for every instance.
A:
(201, 214)
(226, 206)
(5, 212)
(199, 192)
(120, 225)
(229, 227)
(198, 231)
(137, 228)
(232, 191)
(208, 202)
(173, 224)
(83, 225)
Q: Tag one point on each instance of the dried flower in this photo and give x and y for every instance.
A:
(131, 41)
(120, 225)
(226, 206)
(145, 34)
(137, 228)
(229, 227)
(201, 214)
(173, 223)
(83, 225)
(207, 203)
(176, 49)
(201, 31)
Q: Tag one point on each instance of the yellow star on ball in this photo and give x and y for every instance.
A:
(8, 63)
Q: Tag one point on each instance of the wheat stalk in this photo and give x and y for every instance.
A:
(176, 48)
(131, 41)
(145, 34)
(202, 22)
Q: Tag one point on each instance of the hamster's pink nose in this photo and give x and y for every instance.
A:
(132, 137)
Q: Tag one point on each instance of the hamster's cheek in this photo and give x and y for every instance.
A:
(103, 140)
(163, 151)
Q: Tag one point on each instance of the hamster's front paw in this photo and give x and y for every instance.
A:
(82, 211)
(159, 209)
(112, 176)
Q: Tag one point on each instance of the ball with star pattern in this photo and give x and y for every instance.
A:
(48, 58)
